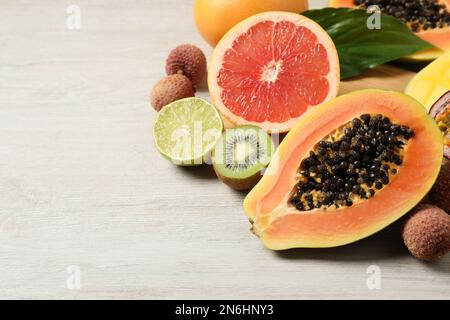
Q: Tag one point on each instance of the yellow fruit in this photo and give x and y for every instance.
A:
(431, 82)
(215, 17)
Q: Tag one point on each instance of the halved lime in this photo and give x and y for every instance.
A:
(186, 131)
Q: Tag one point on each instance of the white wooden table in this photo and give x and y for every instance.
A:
(83, 188)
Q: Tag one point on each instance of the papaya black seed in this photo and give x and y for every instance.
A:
(365, 118)
(359, 159)
(361, 131)
(374, 142)
(367, 149)
(418, 14)
(304, 173)
(355, 154)
(366, 160)
(384, 180)
(335, 146)
(356, 123)
(345, 146)
(305, 163)
(348, 131)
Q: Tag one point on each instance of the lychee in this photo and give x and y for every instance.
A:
(169, 89)
(426, 232)
(188, 60)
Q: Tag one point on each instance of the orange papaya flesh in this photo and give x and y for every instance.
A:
(281, 226)
(439, 36)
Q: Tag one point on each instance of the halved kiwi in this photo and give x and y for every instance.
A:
(240, 155)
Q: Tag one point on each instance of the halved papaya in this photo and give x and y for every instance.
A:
(347, 169)
(429, 20)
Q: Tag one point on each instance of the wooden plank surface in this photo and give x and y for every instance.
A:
(81, 184)
(386, 77)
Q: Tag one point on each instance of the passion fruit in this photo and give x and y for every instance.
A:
(439, 194)
(440, 111)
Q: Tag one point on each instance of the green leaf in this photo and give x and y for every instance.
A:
(361, 48)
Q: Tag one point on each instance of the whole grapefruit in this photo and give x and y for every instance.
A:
(215, 17)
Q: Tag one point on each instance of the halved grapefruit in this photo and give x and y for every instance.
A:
(271, 68)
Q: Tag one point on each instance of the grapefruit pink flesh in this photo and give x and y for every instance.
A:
(271, 68)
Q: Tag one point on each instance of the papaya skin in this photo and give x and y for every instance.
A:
(440, 38)
(280, 226)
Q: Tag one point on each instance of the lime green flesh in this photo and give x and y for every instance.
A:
(186, 131)
(242, 152)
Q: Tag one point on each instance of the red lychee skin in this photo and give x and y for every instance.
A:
(169, 89)
(426, 232)
(188, 60)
